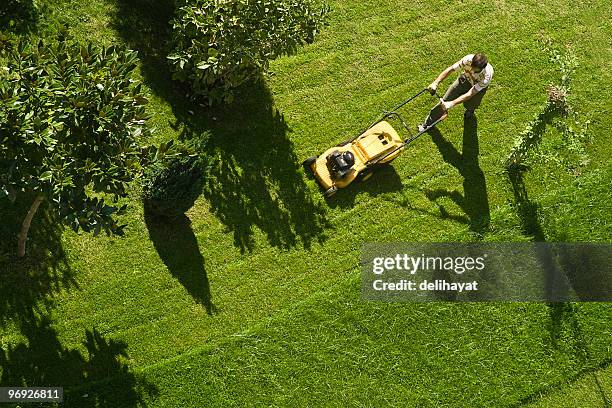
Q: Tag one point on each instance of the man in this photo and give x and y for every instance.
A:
(468, 89)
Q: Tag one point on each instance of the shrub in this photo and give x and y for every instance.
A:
(17, 14)
(170, 188)
(220, 44)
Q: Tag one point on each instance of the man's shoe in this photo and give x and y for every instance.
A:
(421, 128)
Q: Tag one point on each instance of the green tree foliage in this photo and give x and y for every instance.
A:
(17, 14)
(71, 121)
(170, 189)
(220, 44)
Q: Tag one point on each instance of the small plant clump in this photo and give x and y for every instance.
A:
(557, 98)
(170, 188)
(555, 112)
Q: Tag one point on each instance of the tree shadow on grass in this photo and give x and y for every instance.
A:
(18, 16)
(100, 378)
(588, 271)
(144, 25)
(567, 269)
(254, 178)
(527, 211)
(474, 201)
(27, 290)
(178, 248)
(27, 285)
(526, 208)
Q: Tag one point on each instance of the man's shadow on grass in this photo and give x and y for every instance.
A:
(254, 179)
(474, 201)
(178, 248)
(42, 361)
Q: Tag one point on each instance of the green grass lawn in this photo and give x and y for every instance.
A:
(253, 298)
(590, 390)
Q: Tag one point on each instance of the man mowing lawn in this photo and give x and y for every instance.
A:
(468, 88)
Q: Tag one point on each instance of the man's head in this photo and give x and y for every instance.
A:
(479, 62)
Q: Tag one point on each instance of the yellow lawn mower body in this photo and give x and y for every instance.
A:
(356, 158)
(372, 144)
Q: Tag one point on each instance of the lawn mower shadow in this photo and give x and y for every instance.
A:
(384, 179)
(474, 201)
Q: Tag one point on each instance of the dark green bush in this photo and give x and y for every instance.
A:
(171, 187)
(220, 44)
(17, 14)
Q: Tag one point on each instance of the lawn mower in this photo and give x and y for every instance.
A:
(358, 157)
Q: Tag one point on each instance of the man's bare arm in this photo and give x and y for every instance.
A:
(466, 96)
(444, 74)
(434, 85)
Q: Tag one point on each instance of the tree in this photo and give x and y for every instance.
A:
(71, 122)
(220, 44)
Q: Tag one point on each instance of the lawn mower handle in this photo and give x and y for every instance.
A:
(415, 96)
(393, 112)
(410, 139)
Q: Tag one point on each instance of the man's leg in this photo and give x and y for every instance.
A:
(457, 88)
(473, 103)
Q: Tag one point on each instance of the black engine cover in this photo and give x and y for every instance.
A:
(340, 164)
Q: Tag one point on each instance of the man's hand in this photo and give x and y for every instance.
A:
(446, 105)
(433, 87)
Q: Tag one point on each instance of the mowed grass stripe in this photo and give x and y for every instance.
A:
(565, 212)
(293, 275)
(336, 350)
(591, 390)
(312, 277)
